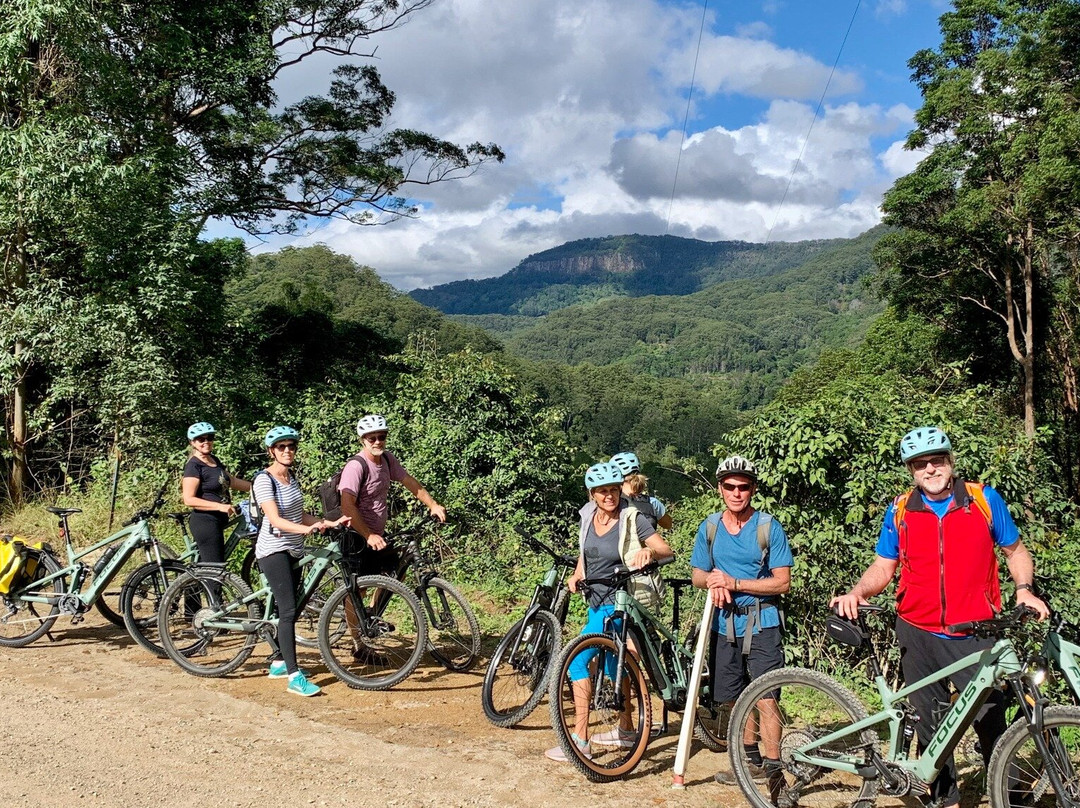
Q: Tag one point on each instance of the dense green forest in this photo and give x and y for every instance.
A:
(122, 136)
(594, 269)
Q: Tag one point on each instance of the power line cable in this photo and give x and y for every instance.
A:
(817, 112)
(686, 117)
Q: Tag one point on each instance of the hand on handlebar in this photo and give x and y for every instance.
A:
(376, 542)
(848, 605)
(438, 511)
(1025, 597)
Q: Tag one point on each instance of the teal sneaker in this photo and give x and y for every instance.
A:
(299, 685)
(279, 671)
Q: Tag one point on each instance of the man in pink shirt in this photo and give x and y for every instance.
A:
(365, 481)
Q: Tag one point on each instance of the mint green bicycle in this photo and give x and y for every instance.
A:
(29, 612)
(833, 753)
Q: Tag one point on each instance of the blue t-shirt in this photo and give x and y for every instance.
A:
(1004, 529)
(740, 557)
(658, 507)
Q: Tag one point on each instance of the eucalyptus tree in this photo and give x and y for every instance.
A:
(124, 129)
(991, 215)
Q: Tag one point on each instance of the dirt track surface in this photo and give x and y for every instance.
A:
(93, 720)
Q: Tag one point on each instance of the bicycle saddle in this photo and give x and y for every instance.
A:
(63, 511)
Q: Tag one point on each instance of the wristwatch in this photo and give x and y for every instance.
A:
(1024, 586)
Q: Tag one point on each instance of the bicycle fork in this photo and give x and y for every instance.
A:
(1032, 703)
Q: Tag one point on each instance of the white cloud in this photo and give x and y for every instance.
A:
(587, 100)
(754, 30)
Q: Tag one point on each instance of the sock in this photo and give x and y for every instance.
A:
(752, 753)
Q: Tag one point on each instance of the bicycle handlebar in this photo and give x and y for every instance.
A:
(539, 547)
(148, 513)
(995, 625)
(619, 578)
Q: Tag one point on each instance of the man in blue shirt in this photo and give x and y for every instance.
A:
(742, 557)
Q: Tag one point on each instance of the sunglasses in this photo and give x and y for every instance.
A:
(742, 488)
(376, 438)
(613, 492)
(935, 460)
(285, 447)
(203, 438)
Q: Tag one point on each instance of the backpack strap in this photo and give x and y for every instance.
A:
(764, 531)
(359, 458)
(977, 495)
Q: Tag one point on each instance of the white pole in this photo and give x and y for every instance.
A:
(686, 733)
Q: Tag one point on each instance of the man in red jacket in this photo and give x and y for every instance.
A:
(942, 535)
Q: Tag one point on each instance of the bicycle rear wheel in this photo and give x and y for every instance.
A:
(802, 705)
(189, 603)
(141, 596)
(375, 642)
(110, 602)
(518, 673)
(453, 630)
(307, 619)
(1018, 773)
(617, 719)
(22, 622)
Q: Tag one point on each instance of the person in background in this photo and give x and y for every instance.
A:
(635, 488)
(206, 485)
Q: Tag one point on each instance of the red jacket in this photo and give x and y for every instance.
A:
(948, 567)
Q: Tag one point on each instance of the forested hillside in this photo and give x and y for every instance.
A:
(584, 271)
(764, 326)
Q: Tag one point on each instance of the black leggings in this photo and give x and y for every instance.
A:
(208, 531)
(284, 578)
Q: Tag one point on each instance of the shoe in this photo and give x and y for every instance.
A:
(758, 773)
(279, 671)
(618, 737)
(556, 753)
(366, 655)
(299, 685)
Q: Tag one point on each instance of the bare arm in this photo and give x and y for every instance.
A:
(189, 486)
(308, 524)
(418, 491)
(719, 594)
(239, 484)
(1022, 570)
(664, 522)
(873, 582)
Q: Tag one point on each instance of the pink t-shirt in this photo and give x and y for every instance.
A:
(371, 502)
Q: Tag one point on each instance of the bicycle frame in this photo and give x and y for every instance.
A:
(316, 559)
(636, 619)
(1064, 654)
(998, 663)
(132, 536)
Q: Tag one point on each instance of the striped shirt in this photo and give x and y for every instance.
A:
(290, 505)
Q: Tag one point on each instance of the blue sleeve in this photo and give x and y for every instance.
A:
(658, 507)
(888, 543)
(1005, 532)
(700, 558)
(779, 549)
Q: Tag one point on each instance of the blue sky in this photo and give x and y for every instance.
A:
(587, 99)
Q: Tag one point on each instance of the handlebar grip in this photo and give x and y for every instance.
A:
(962, 628)
(663, 562)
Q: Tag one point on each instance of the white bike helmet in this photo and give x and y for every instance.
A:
(731, 466)
(370, 423)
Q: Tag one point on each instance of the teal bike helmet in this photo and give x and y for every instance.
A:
(627, 462)
(603, 474)
(280, 433)
(924, 441)
(200, 429)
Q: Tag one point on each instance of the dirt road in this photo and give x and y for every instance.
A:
(93, 720)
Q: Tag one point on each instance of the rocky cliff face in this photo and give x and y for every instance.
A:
(578, 266)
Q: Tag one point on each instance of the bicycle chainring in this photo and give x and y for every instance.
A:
(70, 604)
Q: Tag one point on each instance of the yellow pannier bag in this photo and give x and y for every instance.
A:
(18, 562)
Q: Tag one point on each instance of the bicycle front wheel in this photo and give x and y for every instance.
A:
(518, 673)
(141, 596)
(453, 630)
(373, 642)
(1019, 774)
(785, 710)
(607, 706)
(192, 601)
(22, 622)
